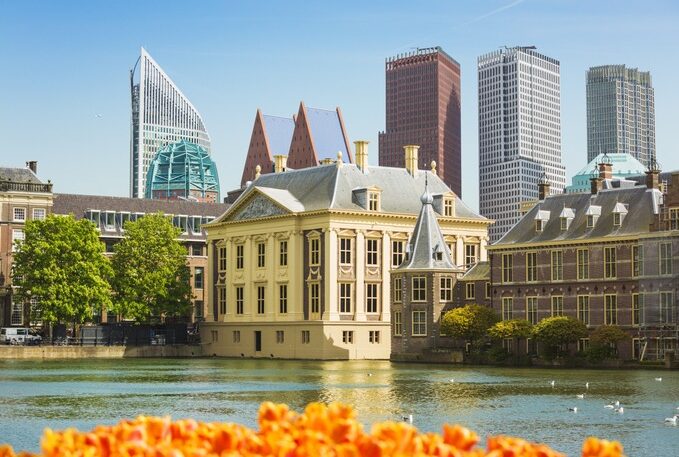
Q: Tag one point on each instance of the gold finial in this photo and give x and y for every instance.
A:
(258, 172)
(433, 166)
(339, 159)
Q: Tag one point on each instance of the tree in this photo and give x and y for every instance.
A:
(604, 342)
(515, 328)
(557, 332)
(471, 322)
(61, 265)
(151, 278)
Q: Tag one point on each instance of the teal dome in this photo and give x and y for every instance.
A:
(183, 170)
(624, 166)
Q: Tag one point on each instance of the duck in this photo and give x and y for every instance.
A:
(573, 409)
(408, 419)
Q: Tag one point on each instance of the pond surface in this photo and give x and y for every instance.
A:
(520, 402)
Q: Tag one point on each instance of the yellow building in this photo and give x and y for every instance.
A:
(299, 266)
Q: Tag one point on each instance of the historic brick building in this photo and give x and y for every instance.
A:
(423, 108)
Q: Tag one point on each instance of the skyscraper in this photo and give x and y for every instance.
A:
(519, 132)
(161, 115)
(423, 108)
(620, 113)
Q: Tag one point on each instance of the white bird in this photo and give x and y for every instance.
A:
(98, 116)
(580, 395)
(552, 383)
(620, 410)
(672, 420)
(587, 385)
(452, 379)
(658, 379)
(574, 409)
(613, 405)
(370, 374)
(408, 419)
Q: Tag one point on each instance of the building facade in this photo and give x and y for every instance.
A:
(183, 171)
(606, 257)
(300, 264)
(423, 107)
(161, 115)
(110, 214)
(620, 113)
(23, 196)
(519, 132)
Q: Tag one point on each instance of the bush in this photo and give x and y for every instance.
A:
(603, 342)
(556, 333)
(515, 328)
(470, 323)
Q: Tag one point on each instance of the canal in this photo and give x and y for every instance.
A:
(520, 402)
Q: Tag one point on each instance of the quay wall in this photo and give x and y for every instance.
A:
(98, 352)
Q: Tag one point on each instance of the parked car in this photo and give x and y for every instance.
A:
(19, 335)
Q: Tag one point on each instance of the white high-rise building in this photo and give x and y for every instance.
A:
(161, 115)
(519, 132)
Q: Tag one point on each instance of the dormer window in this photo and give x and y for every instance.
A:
(593, 213)
(538, 225)
(590, 221)
(566, 217)
(448, 207)
(541, 219)
(564, 223)
(616, 219)
(367, 198)
(373, 201)
(619, 213)
(438, 253)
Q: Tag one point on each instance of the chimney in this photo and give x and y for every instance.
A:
(361, 147)
(543, 189)
(280, 163)
(596, 184)
(411, 158)
(653, 176)
(606, 170)
(33, 166)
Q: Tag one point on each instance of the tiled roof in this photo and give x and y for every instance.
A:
(479, 272)
(20, 175)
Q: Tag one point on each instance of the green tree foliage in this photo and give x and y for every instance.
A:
(61, 264)
(515, 328)
(471, 322)
(151, 278)
(556, 332)
(604, 341)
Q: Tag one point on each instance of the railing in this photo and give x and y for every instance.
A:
(9, 186)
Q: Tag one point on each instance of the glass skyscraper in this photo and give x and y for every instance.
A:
(519, 132)
(161, 115)
(620, 113)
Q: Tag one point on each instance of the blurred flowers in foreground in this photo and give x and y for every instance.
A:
(322, 430)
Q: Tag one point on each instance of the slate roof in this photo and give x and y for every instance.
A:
(624, 166)
(327, 133)
(641, 203)
(479, 272)
(22, 175)
(279, 133)
(331, 187)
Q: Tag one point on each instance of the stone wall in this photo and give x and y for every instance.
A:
(98, 352)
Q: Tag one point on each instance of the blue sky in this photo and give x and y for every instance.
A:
(65, 62)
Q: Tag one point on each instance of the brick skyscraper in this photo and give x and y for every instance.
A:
(423, 108)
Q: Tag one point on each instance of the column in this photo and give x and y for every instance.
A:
(330, 300)
(385, 314)
(483, 254)
(271, 293)
(459, 251)
(296, 275)
(359, 286)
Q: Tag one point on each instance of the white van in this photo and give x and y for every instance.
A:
(19, 335)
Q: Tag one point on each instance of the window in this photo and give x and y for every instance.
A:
(507, 308)
(261, 255)
(124, 219)
(198, 277)
(446, 290)
(221, 300)
(345, 297)
(666, 308)
(610, 309)
(532, 310)
(487, 289)
(583, 344)
(239, 300)
(507, 272)
(583, 308)
(19, 214)
(195, 224)
(260, 299)
(564, 223)
(373, 201)
(637, 305)
(419, 323)
(347, 336)
(557, 265)
(345, 251)
(280, 336)
(448, 207)
(17, 316)
(17, 238)
(396, 253)
(110, 220)
(196, 250)
(531, 266)
(590, 221)
(557, 306)
(665, 258)
(372, 297)
(470, 291)
(39, 214)
(236, 336)
(398, 288)
(398, 323)
(374, 336)
(637, 260)
(609, 263)
(636, 348)
(283, 298)
(93, 215)
(222, 258)
(674, 218)
(538, 225)
(306, 337)
(616, 219)
(240, 260)
(583, 263)
(419, 289)
(314, 251)
(179, 221)
(315, 298)
(283, 254)
(372, 252)
(470, 254)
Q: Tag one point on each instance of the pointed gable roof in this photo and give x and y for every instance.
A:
(271, 135)
(427, 248)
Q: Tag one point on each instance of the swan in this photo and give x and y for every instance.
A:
(672, 420)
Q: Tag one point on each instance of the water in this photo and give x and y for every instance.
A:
(520, 402)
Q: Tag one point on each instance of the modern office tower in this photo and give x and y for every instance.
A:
(519, 132)
(161, 115)
(620, 113)
(423, 108)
